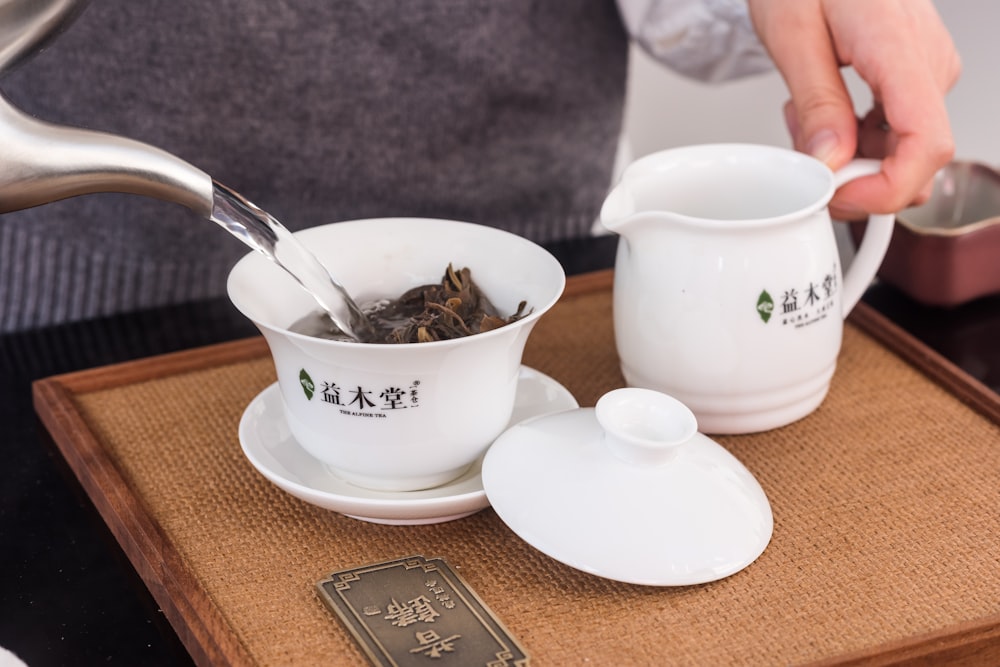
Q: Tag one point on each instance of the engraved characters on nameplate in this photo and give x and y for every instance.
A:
(417, 611)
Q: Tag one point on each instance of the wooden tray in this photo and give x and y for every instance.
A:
(885, 547)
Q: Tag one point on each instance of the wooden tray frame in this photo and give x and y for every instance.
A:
(199, 622)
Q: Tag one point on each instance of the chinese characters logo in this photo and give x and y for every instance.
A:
(801, 305)
(359, 400)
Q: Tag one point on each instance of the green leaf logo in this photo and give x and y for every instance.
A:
(308, 386)
(765, 306)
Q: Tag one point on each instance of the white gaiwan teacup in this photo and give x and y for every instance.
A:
(399, 417)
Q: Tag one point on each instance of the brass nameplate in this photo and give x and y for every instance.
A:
(417, 611)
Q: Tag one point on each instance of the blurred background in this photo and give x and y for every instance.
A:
(666, 110)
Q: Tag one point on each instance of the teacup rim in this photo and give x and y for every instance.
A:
(537, 310)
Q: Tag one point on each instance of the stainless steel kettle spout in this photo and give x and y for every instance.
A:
(41, 162)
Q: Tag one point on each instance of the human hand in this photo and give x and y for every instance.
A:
(903, 52)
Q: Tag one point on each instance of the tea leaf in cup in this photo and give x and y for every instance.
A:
(454, 308)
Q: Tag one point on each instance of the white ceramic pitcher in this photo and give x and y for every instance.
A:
(729, 294)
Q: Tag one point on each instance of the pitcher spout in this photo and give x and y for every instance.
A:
(618, 208)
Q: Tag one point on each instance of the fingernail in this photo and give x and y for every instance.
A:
(823, 145)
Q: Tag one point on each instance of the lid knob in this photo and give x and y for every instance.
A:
(644, 427)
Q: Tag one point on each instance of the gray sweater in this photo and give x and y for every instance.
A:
(505, 113)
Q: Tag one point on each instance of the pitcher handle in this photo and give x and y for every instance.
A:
(873, 246)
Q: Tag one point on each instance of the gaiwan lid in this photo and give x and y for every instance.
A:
(629, 490)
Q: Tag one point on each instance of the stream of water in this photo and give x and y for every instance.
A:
(262, 232)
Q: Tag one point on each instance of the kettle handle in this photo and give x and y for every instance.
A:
(41, 162)
(27, 25)
(873, 246)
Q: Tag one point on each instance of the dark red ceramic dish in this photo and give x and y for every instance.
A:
(947, 251)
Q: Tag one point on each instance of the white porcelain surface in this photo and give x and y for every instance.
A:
(406, 417)
(629, 491)
(269, 445)
(728, 289)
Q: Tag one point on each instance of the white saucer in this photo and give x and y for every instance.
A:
(270, 447)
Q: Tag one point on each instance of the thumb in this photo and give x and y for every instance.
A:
(820, 114)
(825, 140)
(822, 123)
